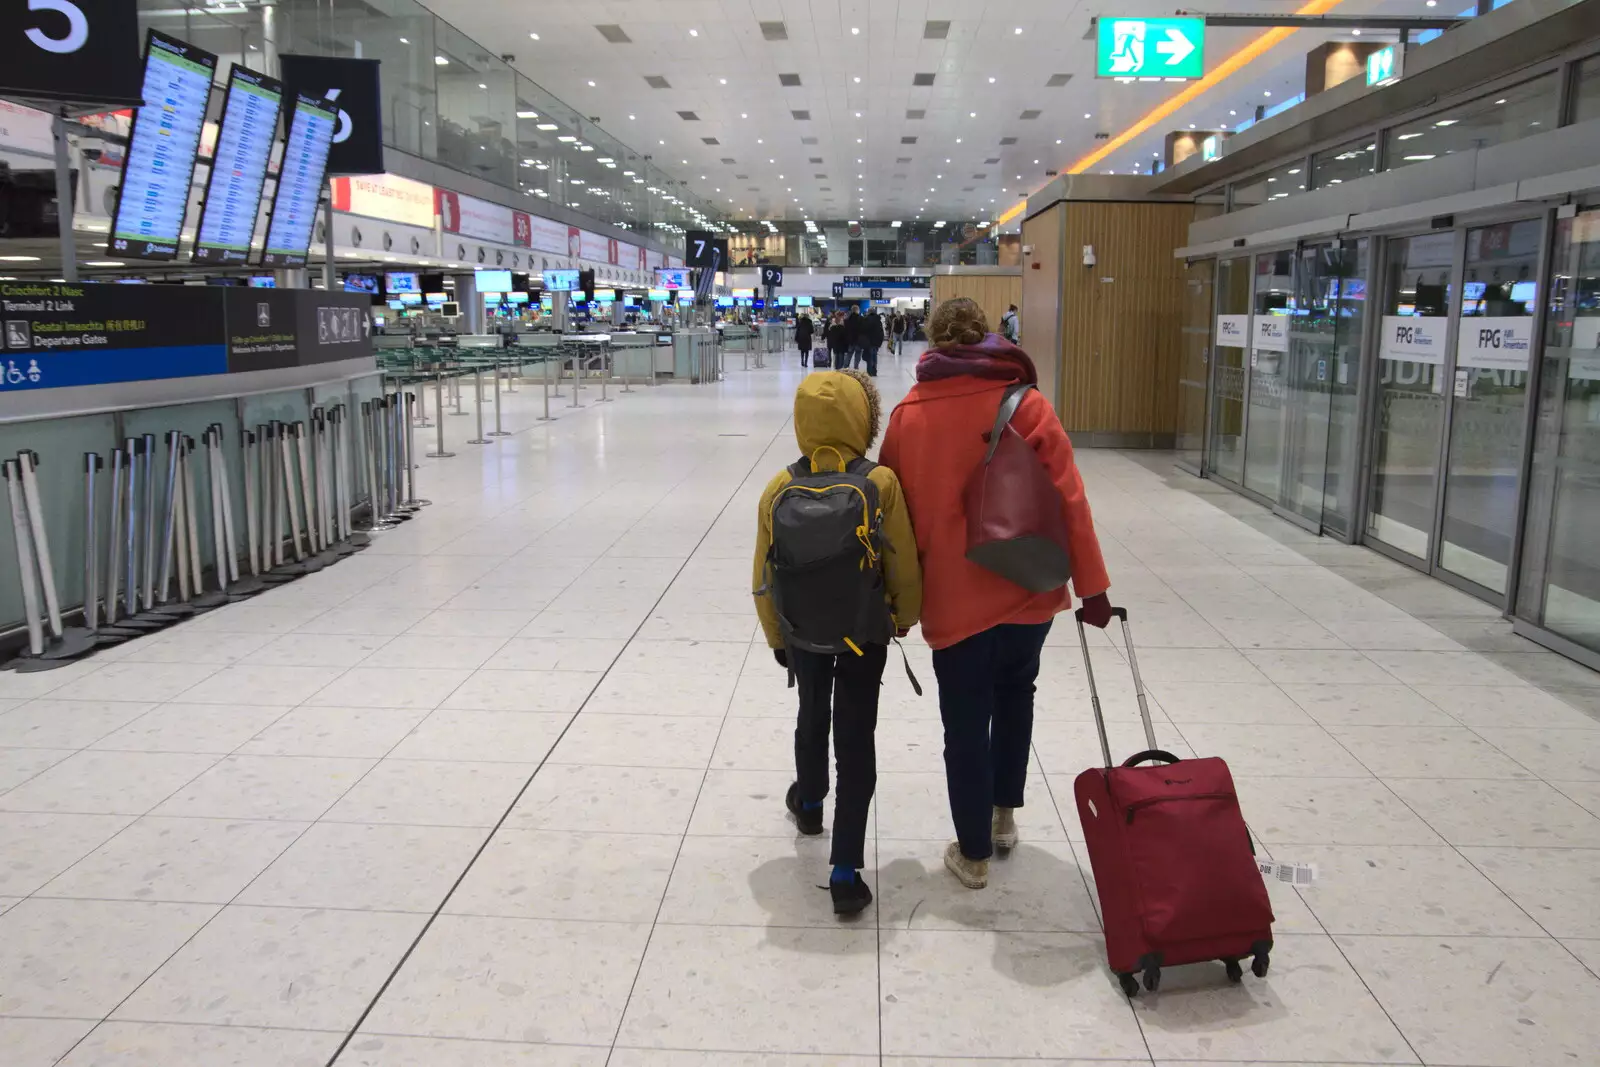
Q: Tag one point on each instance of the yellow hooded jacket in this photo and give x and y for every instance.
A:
(835, 410)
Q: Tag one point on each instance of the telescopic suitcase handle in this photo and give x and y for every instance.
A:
(1152, 751)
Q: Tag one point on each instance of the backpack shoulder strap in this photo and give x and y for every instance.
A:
(800, 468)
(861, 466)
(1002, 419)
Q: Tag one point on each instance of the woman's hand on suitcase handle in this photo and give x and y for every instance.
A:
(1096, 611)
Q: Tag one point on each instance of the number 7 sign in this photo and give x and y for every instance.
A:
(75, 52)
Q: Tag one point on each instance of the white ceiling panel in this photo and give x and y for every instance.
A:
(986, 75)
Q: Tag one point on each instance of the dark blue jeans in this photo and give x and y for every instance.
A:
(986, 702)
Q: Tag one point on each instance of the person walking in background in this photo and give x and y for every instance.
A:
(802, 338)
(836, 578)
(871, 341)
(853, 327)
(897, 332)
(1010, 328)
(836, 345)
(986, 632)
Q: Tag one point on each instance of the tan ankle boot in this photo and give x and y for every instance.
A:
(974, 874)
(1004, 828)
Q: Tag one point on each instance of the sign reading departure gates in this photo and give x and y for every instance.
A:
(1163, 49)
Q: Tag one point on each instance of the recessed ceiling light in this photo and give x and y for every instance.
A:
(1355, 33)
(404, 41)
(568, 139)
(972, 114)
(855, 31)
(440, 61)
(858, 140)
(991, 81)
(1058, 140)
(858, 79)
(547, 126)
(1267, 92)
(591, 85)
(661, 142)
(958, 140)
(1017, 31)
(1232, 112)
(858, 114)
(744, 114)
(694, 33)
(535, 36)
(1086, 115)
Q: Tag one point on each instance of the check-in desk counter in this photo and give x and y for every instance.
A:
(86, 367)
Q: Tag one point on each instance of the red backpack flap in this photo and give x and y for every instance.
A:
(1016, 519)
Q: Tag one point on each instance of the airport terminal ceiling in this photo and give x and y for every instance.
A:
(884, 109)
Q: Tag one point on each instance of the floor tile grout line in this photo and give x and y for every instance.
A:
(506, 814)
(220, 908)
(633, 985)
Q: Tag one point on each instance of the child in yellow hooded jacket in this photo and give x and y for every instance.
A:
(836, 417)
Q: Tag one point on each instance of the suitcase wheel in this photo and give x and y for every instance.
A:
(1259, 965)
(1152, 978)
(1130, 984)
(1235, 971)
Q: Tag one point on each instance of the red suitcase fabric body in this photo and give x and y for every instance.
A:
(1172, 862)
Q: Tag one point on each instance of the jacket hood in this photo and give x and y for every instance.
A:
(836, 409)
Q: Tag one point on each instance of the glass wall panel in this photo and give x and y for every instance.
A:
(1198, 307)
(1345, 163)
(1286, 180)
(1351, 270)
(1586, 90)
(1416, 297)
(1269, 371)
(1561, 565)
(1225, 457)
(1508, 115)
(1499, 299)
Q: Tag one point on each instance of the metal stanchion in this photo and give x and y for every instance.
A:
(498, 431)
(511, 379)
(438, 451)
(477, 374)
(422, 422)
(455, 390)
(605, 372)
(555, 391)
(576, 361)
(545, 378)
(627, 379)
(412, 501)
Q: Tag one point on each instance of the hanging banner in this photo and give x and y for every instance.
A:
(1270, 333)
(1495, 343)
(24, 129)
(595, 248)
(72, 51)
(385, 196)
(471, 217)
(1233, 331)
(547, 236)
(1414, 338)
(351, 85)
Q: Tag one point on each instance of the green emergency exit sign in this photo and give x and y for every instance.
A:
(1151, 48)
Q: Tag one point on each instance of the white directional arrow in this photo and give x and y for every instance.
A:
(1176, 47)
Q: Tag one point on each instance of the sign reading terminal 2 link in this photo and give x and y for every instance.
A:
(1151, 49)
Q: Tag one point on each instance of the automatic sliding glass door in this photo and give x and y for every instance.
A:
(1198, 306)
(1417, 293)
(1270, 372)
(1489, 395)
(1225, 454)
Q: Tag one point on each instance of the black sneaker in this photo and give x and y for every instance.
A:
(850, 897)
(809, 820)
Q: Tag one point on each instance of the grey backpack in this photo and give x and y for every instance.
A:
(825, 566)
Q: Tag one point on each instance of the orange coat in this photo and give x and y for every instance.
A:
(934, 443)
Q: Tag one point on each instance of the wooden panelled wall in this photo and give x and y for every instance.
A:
(993, 292)
(1122, 322)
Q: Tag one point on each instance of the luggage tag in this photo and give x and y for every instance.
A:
(1295, 874)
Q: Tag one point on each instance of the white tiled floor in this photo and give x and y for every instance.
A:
(507, 789)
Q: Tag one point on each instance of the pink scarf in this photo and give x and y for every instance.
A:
(993, 358)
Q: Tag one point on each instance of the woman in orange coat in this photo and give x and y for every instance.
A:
(986, 632)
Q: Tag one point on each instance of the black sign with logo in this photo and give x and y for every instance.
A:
(352, 86)
(261, 329)
(71, 51)
(702, 248)
(838, 290)
(772, 276)
(877, 294)
(334, 326)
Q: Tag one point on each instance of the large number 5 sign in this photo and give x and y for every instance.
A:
(77, 27)
(82, 53)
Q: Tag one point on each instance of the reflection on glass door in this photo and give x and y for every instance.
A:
(1225, 456)
(1410, 391)
(1350, 266)
(1269, 372)
(1489, 383)
(1560, 586)
(1195, 361)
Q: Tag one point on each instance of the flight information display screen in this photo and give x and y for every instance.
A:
(162, 147)
(300, 178)
(238, 167)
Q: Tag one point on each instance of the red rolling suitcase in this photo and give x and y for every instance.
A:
(1171, 855)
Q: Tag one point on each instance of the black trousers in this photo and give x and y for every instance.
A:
(986, 702)
(844, 689)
